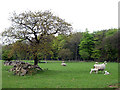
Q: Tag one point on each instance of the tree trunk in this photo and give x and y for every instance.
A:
(75, 52)
(45, 57)
(35, 60)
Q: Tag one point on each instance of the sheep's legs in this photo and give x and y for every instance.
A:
(90, 72)
(96, 71)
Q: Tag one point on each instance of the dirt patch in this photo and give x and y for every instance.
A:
(115, 86)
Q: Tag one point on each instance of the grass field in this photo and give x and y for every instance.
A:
(74, 75)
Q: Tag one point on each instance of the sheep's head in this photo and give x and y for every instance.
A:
(63, 61)
(105, 71)
(96, 62)
(105, 62)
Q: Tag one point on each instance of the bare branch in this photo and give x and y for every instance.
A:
(34, 25)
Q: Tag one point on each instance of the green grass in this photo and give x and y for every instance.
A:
(74, 75)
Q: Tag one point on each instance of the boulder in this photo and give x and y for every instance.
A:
(23, 72)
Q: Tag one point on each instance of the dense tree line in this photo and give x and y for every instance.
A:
(97, 46)
(42, 35)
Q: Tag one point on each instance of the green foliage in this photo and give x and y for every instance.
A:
(72, 43)
(35, 28)
(96, 54)
(58, 44)
(86, 45)
(100, 45)
(6, 56)
(106, 44)
(65, 54)
(7, 53)
(110, 48)
(84, 54)
(111, 32)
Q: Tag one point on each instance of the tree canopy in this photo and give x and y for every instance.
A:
(34, 27)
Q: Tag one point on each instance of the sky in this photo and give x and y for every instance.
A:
(91, 14)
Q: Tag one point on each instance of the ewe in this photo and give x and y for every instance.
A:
(100, 67)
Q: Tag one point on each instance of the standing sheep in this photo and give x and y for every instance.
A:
(100, 67)
(94, 70)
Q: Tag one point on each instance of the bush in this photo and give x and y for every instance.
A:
(5, 56)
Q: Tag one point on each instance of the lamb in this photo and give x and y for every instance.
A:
(94, 70)
(63, 64)
(106, 73)
(100, 67)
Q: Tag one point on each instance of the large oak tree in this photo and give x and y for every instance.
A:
(33, 27)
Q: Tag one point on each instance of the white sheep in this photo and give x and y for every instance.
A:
(106, 73)
(100, 67)
(63, 64)
(94, 70)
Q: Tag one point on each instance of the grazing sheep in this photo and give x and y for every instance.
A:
(100, 67)
(63, 64)
(94, 70)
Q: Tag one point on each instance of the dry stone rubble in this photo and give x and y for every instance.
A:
(21, 68)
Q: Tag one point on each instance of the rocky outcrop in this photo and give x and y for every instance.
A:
(21, 68)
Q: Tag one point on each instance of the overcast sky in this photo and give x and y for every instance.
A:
(82, 14)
